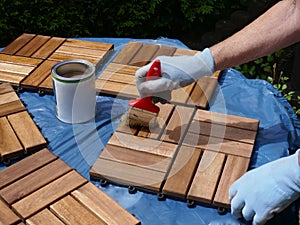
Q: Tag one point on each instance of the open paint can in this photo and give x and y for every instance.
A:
(74, 90)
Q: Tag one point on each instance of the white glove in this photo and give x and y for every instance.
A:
(266, 190)
(176, 71)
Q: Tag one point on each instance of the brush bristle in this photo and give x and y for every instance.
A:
(141, 118)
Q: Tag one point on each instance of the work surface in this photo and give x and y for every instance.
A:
(80, 145)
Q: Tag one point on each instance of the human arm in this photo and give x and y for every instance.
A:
(277, 28)
(262, 192)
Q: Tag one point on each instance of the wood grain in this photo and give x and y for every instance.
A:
(207, 176)
(25, 166)
(103, 206)
(164, 51)
(144, 55)
(43, 197)
(116, 89)
(28, 133)
(33, 45)
(18, 43)
(45, 217)
(48, 48)
(127, 52)
(35, 180)
(9, 143)
(182, 172)
(65, 208)
(7, 217)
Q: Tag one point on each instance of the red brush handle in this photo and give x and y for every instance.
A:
(146, 103)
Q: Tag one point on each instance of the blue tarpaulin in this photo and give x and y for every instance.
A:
(79, 145)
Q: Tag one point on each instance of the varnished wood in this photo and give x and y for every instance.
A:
(164, 51)
(7, 97)
(25, 166)
(102, 205)
(234, 168)
(144, 55)
(127, 52)
(182, 171)
(28, 206)
(19, 60)
(18, 43)
(7, 217)
(33, 45)
(35, 180)
(26, 130)
(5, 88)
(206, 179)
(116, 89)
(45, 217)
(65, 208)
(88, 44)
(48, 48)
(9, 143)
(11, 107)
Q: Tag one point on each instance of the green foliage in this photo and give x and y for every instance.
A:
(267, 68)
(111, 18)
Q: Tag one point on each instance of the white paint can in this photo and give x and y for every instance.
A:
(74, 90)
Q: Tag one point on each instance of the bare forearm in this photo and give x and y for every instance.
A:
(278, 28)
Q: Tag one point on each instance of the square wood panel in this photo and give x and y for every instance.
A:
(192, 154)
(19, 134)
(27, 61)
(118, 77)
(42, 189)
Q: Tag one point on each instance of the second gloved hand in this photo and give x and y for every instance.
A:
(266, 190)
(176, 71)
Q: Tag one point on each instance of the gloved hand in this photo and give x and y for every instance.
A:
(266, 190)
(176, 71)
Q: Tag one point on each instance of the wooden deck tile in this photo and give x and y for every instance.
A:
(164, 51)
(48, 48)
(127, 53)
(42, 189)
(33, 45)
(64, 209)
(26, 130)
(24, 167)
(144, 55)
(193, 159)
(11, 107)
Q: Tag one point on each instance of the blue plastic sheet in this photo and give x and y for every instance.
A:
(79, 145)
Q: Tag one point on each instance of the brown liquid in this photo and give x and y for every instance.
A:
(72, 74)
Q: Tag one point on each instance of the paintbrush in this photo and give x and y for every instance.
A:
(143, 112)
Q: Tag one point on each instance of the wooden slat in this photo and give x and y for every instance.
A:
(144, 55)
(182, 172)
(47, 85)
(28, 206)
(121, 68)
(228, 120)
(48, 48)
(127, 174)
(35, 180)
(8, 97)
(65, 208)
(44, 217)
(9, 143)
(218, 145)
(184, 51)
(79, 51)
(11, 107)
(143, 144)
(181, 95)
(178, 124)
(116, 89)
(127, 53)
(13, 78)
(19, 60)
(7, 217)
(28, 133)
(61, 56)
(18, 43)
(103, 206)
(33, 45)
(136, 158)
(234, 168)
(221, 131)
(207, 176)
(164, 51)
(15, 68)
(4, 88)
(39, 75)
(117, 77)
(25, 166)
(89, 44)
